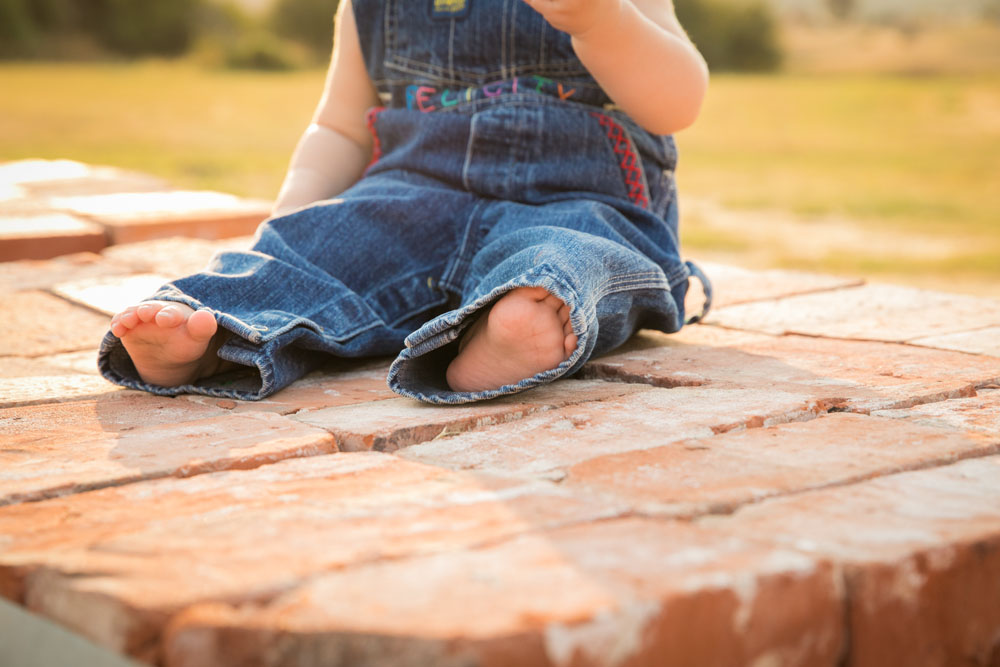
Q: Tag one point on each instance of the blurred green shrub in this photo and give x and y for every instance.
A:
(306, 21)
(733, 36)
(129, 27)
(260, 50)
(141, 27)
(17, 29)
(55, 15)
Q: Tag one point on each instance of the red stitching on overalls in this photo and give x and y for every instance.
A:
(629, 162)
(370, 117)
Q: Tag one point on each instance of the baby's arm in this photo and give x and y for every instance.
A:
(336, 147)
(639, 53)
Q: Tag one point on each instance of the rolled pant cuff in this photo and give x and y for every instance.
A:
(116, 366)
(419, 370)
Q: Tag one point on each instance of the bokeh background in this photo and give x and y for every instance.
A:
(857, 137)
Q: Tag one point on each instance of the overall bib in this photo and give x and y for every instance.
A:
(499, 163)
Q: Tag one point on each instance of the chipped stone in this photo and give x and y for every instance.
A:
(921, 554)
(977, 417)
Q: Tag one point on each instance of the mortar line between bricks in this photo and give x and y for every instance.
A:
(911, 343)
(951, 333)
(847, 339)
(471, 425)
(927, 464)
(78, 304)
(49, 354)
(48, 494)
(180, 472)
(856, 282)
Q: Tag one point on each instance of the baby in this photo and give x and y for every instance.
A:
(487, 182)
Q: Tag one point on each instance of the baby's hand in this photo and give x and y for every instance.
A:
(576, 16)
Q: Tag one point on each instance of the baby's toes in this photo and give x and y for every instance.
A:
(127, 318)
(147, 311)
(201, 324)
(564, 314)
(169, 317)
(536, 293)
(567, 327)
(553, 302)
(569, 344)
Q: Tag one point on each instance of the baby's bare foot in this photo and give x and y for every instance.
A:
(526, 332)
(170, 343)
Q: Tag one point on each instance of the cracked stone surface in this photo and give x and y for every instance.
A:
(813, 478)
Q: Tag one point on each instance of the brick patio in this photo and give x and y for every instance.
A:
(812, 477)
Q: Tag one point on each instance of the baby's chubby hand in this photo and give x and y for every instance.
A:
(577, 17)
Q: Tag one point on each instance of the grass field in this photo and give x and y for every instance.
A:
(884, 176)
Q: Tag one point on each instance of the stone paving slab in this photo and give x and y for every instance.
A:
(723, 495)
(921, 554)
(45, 235)
(25, 275)
(548, 443)
(719, 474)
(84, 362)
(347, 383)
(54, 388)
(389, 425)
(872, 312)
(141, 552)
(977, 417)
(627, 592)
(51, 379)
(129, 217)
(111, 294)
(124, 437)
(732, 284)
(42, 179)
(980, 341)
(174, 256)
(34, 323)
(852, 375)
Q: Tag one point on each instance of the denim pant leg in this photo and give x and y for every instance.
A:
(347, 277)
(577, 250)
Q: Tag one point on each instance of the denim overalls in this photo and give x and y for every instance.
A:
(498, 163)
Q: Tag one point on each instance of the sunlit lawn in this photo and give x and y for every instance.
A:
(908, 168)
(198, 128)
(913, 160)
